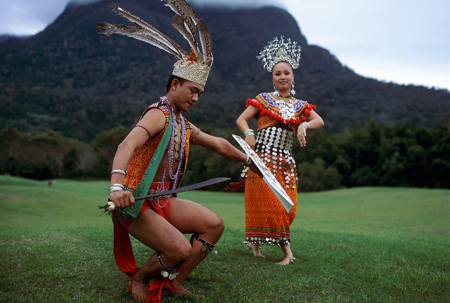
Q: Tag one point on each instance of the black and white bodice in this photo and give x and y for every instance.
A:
(274, 147)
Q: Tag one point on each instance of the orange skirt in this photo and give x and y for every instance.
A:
(266, 220)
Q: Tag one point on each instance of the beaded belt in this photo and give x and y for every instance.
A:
(155, 191)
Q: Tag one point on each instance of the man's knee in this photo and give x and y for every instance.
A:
(216, 223)
(179, 253)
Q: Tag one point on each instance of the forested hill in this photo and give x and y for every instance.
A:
(70, 79)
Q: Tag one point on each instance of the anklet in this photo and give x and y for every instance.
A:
(166, 272)
(292, 258)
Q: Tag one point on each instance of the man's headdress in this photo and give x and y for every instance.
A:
(279, 51)
(195, 66)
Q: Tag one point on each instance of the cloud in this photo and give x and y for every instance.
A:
(82, 1)
(24, 17)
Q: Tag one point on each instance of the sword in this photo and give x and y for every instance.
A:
(112, 206)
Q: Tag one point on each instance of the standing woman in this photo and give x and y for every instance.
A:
(280, 116)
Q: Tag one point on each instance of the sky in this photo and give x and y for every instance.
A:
(400, 41)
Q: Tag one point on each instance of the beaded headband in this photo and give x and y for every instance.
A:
(279, 51)
(193, 67)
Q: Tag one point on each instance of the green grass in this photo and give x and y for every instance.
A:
(355, 245)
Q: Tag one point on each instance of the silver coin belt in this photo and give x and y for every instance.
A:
(274, 147)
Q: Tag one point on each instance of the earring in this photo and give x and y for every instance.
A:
(292, 89)
(275, 92)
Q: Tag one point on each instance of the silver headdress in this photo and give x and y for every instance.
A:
(279, 51)
(195, 66)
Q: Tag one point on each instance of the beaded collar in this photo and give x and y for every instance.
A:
(285, 105)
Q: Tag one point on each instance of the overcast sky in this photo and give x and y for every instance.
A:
(403, 41)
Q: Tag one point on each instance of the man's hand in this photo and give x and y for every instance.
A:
(122, 199)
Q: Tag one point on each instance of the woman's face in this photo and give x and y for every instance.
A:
(282, 76)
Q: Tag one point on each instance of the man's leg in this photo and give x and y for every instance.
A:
(191, 217)
(155, 232)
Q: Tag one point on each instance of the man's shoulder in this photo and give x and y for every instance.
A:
(161, 106)
(155, 108)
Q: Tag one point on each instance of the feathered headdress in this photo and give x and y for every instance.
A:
(279, 51)
(195, 66)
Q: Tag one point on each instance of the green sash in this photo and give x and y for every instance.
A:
(143, 187)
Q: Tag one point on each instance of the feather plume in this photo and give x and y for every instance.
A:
(139, 34)
(178, 23)
(205, 39)
(182, 9)
(185, 21)
(152, 31)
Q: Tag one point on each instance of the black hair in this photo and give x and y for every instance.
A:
(171, 78)
(271, 73)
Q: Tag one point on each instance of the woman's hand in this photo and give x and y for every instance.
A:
(301, 135)
(250, 139)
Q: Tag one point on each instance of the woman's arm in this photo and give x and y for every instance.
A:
(314, 121)
(242, 122)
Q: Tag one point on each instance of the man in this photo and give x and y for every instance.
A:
(160, 224)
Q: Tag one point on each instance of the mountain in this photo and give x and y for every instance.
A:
(71, 79)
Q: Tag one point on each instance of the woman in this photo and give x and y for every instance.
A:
(280, 116)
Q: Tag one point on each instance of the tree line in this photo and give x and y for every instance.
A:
(370, 155)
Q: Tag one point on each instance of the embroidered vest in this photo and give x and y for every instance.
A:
(141, 157)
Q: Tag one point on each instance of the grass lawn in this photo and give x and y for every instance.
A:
(352, 245)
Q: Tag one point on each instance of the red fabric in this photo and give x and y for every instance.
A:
(158, 288)
(235, 186)
(123, 252)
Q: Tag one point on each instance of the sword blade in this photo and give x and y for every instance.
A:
(185, 188)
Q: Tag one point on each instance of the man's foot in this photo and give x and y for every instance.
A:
(255, 249)
(287, 259)
(139, 290)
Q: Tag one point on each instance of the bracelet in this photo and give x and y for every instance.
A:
(118, 171)
(118, 185)
(305, 124)
(195, 137)
(248, 161)
(249, 132)
(115, 188)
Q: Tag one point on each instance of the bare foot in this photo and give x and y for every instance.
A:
(255, 249)
(286, 260)
(139, 290)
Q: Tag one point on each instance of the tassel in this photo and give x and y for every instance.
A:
(158, 288)
(235, 186)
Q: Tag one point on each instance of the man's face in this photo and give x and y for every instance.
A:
(186, 95)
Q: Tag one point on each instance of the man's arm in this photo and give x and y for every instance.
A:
(151, 124)
(222, 147)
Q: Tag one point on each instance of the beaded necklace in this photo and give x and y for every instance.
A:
(174, 154)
